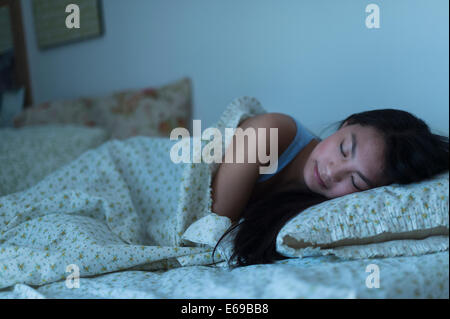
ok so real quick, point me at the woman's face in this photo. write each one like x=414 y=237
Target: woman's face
x=350 y=160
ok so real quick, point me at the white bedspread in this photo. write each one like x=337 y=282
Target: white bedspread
x=315 y=277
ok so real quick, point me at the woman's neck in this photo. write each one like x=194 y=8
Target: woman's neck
x=293 y=172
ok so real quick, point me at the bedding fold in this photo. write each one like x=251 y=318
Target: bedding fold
x=122 y=205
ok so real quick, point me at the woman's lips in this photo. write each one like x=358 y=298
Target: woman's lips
x=319 y=180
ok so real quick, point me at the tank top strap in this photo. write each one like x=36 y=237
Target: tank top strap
x=301 y=139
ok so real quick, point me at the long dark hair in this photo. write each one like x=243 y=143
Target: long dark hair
x=413 y=153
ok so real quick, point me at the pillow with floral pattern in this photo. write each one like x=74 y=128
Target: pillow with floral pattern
x=147 y=112
x=414 y=215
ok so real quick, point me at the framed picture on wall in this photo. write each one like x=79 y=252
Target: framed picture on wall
x=50 y=18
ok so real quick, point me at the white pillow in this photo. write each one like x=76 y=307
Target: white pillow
x=30 y=153
x=370 y=223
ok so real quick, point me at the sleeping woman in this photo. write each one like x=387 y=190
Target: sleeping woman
x=370 y=149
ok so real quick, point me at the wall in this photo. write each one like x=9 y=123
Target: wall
x=315 y=59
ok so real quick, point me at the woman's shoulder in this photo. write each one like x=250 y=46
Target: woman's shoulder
x=286 y=126
x=283 y=122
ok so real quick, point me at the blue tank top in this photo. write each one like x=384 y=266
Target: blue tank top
x=301 y=139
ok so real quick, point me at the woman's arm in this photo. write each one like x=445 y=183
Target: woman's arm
x=234 y=182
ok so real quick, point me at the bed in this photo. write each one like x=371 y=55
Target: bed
x=107 y=217
x=315 y=277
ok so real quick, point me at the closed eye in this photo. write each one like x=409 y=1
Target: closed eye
x=353 y=180
x=342 y=150
x=354 y=185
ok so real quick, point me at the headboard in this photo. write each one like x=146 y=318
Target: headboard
x=14 y=73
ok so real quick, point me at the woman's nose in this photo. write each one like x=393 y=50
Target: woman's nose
x=335 y=172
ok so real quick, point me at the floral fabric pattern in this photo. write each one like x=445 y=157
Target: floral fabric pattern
x=122 y=205
x=415 y=277
x=30 y=153
x=146 y=112
x=138 y=225
x=386 y=221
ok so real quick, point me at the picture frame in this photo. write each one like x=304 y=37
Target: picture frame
x=50 y=22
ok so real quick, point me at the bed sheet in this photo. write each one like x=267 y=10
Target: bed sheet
x=104 y=212
x=122 y=205
x=425 y=276
x=30 y=153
